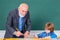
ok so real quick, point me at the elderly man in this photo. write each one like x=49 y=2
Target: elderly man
x=18 y=23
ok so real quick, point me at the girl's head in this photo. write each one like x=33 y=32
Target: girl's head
x=49 y=27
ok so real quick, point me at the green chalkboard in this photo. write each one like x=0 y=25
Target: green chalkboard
x=41 y=12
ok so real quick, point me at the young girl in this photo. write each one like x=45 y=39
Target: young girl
x=49 y=31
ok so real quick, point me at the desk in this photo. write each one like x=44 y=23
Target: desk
x=29 y=39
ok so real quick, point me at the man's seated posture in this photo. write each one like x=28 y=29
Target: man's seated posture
x=49 y=32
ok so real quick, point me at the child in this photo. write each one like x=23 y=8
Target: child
x=49 y=31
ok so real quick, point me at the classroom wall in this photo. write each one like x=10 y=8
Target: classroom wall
x=41 y=12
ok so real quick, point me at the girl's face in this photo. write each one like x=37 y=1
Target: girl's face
x=47 y=31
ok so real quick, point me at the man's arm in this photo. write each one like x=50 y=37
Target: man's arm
x=28 y=23
x=9 y=23
x=28 y=26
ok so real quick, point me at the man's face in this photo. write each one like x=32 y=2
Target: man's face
x=23 y=9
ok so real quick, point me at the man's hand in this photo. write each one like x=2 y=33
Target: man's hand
x=26 y=34
x=17 y=33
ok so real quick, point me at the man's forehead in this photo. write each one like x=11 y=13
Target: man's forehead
x=24 y=8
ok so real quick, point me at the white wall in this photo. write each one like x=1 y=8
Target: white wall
x=32 y=33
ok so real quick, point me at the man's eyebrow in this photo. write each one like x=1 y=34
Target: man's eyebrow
x=24 y=10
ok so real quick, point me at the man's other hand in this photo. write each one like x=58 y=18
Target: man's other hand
x=26 y=34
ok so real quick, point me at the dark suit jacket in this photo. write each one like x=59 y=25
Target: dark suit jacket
x=13 y=21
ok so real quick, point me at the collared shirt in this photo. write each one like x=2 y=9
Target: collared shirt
x=44 y=34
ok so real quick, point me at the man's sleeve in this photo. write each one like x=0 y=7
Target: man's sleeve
x=28 y=23
x=9 y=23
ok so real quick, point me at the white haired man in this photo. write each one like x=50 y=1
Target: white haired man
x=18 y=22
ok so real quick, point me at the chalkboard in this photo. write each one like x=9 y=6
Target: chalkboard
x=41 y=12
